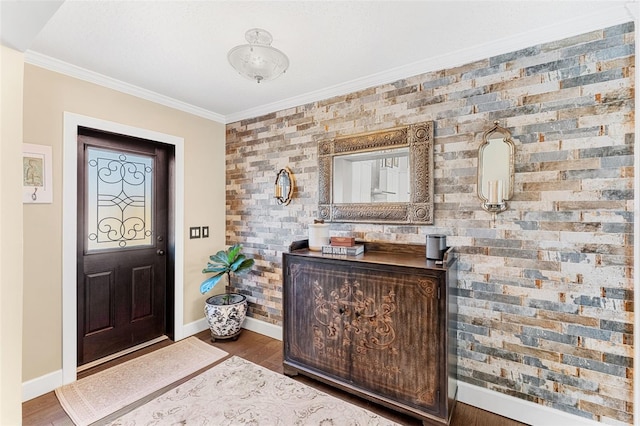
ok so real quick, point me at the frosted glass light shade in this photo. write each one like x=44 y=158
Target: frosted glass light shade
x=258 y=60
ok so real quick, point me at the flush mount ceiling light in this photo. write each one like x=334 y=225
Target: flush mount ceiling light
x=258 y=60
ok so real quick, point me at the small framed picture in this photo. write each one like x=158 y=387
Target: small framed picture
x=37 y=174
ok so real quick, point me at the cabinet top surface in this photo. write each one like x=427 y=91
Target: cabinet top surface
x=402 y=257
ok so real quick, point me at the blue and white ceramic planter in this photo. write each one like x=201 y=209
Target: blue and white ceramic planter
x=225 y=319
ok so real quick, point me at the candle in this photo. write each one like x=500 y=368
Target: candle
x=493 y=192
x=318 y=236
x=500 y=196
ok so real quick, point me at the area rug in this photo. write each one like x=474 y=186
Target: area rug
x=238 y=392
x=92 y=398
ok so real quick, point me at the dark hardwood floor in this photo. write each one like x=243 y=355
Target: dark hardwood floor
x=267 y=352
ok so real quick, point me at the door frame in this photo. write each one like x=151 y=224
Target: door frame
x=69 y=228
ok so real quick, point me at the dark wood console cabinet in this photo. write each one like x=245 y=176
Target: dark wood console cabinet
x=376 y=325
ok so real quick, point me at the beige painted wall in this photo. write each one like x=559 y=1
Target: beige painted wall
x=47 y=95
x=11 y=236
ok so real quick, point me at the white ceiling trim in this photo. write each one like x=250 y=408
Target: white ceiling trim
x=61 y=67
x=602 y=19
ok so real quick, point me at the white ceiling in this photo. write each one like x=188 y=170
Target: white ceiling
x=175 y=52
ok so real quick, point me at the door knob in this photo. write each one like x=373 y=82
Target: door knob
x=160 y=252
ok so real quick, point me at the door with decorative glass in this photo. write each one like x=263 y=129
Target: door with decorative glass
x=122 y=242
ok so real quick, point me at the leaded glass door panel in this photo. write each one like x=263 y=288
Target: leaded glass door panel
x=122 y=242
x=119 y=199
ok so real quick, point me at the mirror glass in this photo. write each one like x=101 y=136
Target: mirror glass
x=372 y=177
x=378 y=177
x=496 y=169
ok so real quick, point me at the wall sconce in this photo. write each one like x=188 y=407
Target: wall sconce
x=496 y=157
x=283 y=191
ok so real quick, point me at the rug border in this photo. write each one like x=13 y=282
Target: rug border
x=99 y=415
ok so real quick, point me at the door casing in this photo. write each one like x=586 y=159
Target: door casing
x=69 y=227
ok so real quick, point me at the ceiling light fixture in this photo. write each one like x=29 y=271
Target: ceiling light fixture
x=258 y=60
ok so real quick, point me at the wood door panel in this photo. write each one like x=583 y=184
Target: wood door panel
x=99 y=293
x=315 y=329
x=398 y=331
x=141 y=292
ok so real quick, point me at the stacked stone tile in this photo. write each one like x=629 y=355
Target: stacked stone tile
x=545 y=292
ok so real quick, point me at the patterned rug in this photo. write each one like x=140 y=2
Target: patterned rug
x=99 y=395
x=238 y=392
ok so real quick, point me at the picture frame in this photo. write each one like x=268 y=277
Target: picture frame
x=37 y=174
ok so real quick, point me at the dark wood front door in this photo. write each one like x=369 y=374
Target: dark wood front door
x=122 y=242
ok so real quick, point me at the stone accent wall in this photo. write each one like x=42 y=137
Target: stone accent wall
x=545 y=292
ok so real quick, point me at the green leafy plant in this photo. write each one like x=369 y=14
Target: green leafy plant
x=223 y=264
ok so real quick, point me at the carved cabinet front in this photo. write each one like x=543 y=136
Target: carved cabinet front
x=376 y=329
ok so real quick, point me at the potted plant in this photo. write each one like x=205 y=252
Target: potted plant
x=225 y=312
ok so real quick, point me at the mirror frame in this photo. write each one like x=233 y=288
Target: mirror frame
x=418 y=211
x=508 y=194
x=284 y=199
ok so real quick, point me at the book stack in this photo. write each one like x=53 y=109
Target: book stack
x=343 y=246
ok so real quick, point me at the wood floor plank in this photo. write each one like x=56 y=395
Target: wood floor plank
x=267 y=352
x=464 y=415
x=44 y=410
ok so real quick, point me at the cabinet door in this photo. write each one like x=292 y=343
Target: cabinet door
x=374 y=327
x=315 y=333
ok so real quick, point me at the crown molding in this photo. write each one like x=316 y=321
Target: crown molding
x=65 y=68
x=615 y=15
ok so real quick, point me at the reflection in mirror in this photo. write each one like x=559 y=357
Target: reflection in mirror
x=383 y=176
x=496 y=169
x=372 y=177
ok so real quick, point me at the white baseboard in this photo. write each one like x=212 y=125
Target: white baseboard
x=194 y=327
x=47 y=383
x=264 y=328
x=41 y=385
x=485 y=399
x=261 y=327
x=518 y=409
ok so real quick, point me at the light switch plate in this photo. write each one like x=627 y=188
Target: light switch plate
x=194 y=232
x=205 y=232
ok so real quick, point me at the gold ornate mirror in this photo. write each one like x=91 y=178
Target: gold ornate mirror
x=283 y=191
x=378 y=177
x=496 y=157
